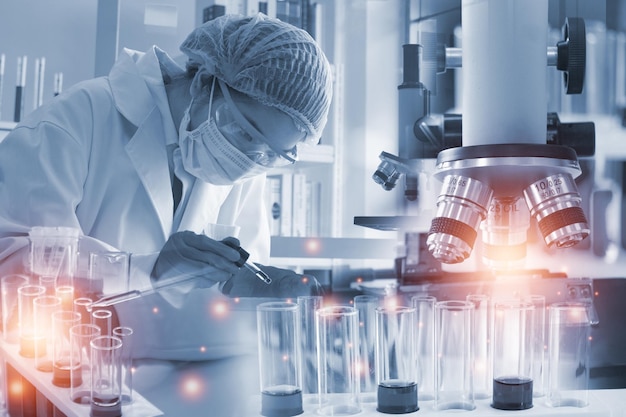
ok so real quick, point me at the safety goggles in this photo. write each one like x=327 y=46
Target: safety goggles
x=242 y=134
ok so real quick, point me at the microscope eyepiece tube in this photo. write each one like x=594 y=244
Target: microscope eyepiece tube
x=461 y=206
x=555 y=203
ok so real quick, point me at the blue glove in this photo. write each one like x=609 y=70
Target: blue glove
x=188 y=255
x=285 y=284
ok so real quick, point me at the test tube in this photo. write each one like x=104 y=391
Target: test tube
x=396 y=370
x=513 y=355
x=454 y=353
x=126 y=336
x=308 y=305
x=102 y=319
x=568 y=357
x=66 y=294
x=44 y=307
x=81 y=306
x=106 y=377
x=366 y=306
x=279 y=359
x=26 y=313
x=481 y=343
x=539 y=343
x=62 y=322
x=81 y=336
x=425 y=345
x=337 y=358
x=49 y=282
x=10 y=316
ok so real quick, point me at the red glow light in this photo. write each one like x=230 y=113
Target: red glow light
x=312 y=246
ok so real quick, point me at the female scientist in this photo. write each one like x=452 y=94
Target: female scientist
x=143 y=160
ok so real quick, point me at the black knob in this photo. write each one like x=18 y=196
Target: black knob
x=572 y=51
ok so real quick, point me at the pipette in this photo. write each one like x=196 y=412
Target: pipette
x=110 y=300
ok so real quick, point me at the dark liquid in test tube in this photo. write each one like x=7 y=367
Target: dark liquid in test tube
x=396 y=397
x=281 y=402
x=512 y=393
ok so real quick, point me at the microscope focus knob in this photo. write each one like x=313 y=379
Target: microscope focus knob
x=572 y=55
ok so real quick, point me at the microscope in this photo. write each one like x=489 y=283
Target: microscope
x=510 y=172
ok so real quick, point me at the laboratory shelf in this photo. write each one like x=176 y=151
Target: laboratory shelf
x=602 y=403
x=18 y=366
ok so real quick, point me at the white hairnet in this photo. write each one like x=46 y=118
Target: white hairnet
x=271 y=61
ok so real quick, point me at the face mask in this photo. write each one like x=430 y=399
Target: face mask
x=209 y=156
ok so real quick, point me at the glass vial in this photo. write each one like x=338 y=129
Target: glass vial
x=338 y=360
x=539 y=344
x=366 y=306
x=453 y=346
x=396 y=370
x=106 y=377
x=26 y=314
x=10 y=316
x=481 y=343
x=308 y=305
x=62 y=367
x=425 y=345
x=126 y=336
x=80 y=361
x=279 y=359
x=513 y=355
x=568 y=355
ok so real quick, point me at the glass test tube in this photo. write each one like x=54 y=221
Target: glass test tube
x=279 y=359
x=80 y=361
x=81 y=306
x=425 y=345
x=539 y=343
x=102 y=319
x=106 y=377
x=366 y=306
x=26 y=314
x=396 y=370
x=568 y=355
x=126 y=336
x=66 y=294
x=481 y=343
x=62 y=322
x=453 y=346
x=49 y=282
x=44 y=307
x=10 y=315
x=338 y=335
x=513 y=355
x=308 y=305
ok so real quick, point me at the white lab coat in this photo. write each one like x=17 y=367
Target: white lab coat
x=95 y=158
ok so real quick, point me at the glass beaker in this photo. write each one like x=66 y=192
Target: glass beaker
x=106 y=377
x=568 y=355
x=454 y=388
x=513 y=355
x=366 y=306
x=396 y=366
x=109 y=272
x=279 y=359
x=338 y=360
x=53 y=252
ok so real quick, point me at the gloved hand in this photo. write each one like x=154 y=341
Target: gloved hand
x=285 y=284
x=187 y=254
